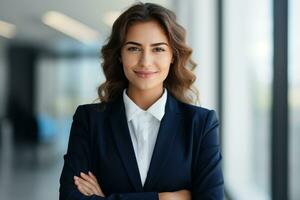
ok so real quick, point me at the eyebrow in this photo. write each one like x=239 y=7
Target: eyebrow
x=154 y=44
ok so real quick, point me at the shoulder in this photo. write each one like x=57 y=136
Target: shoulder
x=92 y=110
x=93 y=107
x=196 y=111
x=201 y=118
x=191 y=113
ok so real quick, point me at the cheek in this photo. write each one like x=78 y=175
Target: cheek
x=127 y=71
x=127 y=65
x=165 y=65
x=164 y=61
x=129 y=60
x=165 y=72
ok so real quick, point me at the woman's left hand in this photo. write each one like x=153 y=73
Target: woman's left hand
x=88 y=185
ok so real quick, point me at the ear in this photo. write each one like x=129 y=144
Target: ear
x=172 y=61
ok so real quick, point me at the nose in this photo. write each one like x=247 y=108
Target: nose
x=146 y=59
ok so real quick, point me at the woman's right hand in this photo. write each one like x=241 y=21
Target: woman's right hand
x=88 y=185
x=178 y=195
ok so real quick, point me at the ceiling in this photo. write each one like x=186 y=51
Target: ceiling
x=27 y=15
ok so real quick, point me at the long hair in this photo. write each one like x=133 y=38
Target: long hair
x=180 y=79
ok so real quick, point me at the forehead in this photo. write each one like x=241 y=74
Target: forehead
x=148 y=32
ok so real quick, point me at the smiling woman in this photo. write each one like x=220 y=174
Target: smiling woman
x=139 y=28
x=145 y=139
x=146 y=60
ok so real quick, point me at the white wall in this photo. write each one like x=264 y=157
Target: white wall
x=199 y=19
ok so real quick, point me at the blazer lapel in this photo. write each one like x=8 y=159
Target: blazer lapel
x=123 y=142
x=165 y=138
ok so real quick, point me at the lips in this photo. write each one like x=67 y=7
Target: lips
x=145 y=74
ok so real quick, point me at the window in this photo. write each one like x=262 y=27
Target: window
x=62 y=85
x=294 y=99
x=247 y=98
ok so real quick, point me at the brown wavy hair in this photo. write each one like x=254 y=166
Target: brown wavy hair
x=180 y=79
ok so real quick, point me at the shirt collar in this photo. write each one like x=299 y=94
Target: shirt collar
x=157 y=109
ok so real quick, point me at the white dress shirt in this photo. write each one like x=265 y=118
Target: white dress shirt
x=143 y=127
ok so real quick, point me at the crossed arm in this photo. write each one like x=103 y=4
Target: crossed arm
x=207 y=182
x=88 y=185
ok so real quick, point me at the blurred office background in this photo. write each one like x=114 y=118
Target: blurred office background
x=248 y=70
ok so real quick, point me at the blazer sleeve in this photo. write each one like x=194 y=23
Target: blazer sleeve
x=207 y=177
x=78 y=159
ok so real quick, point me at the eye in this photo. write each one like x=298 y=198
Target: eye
x=133 y=49
x=158 y=49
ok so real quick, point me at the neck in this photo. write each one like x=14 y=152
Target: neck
x=144 y=98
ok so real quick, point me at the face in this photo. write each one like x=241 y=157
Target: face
x=146 y=56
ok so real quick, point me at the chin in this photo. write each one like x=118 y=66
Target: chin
x=144 y=87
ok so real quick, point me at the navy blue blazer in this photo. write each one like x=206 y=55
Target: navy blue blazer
x=186 y=154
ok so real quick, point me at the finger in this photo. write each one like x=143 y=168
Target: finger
x=89 y=179
x=90 y=187
x=82 y=189
x=96 y=188
x=93 y=177
x=80 y=181
x=85 y=189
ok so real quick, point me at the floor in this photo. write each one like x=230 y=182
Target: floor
x=27 y=171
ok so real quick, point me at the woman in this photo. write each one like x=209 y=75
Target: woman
x=144 y=140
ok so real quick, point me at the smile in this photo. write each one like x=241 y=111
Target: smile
x=145 y=74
